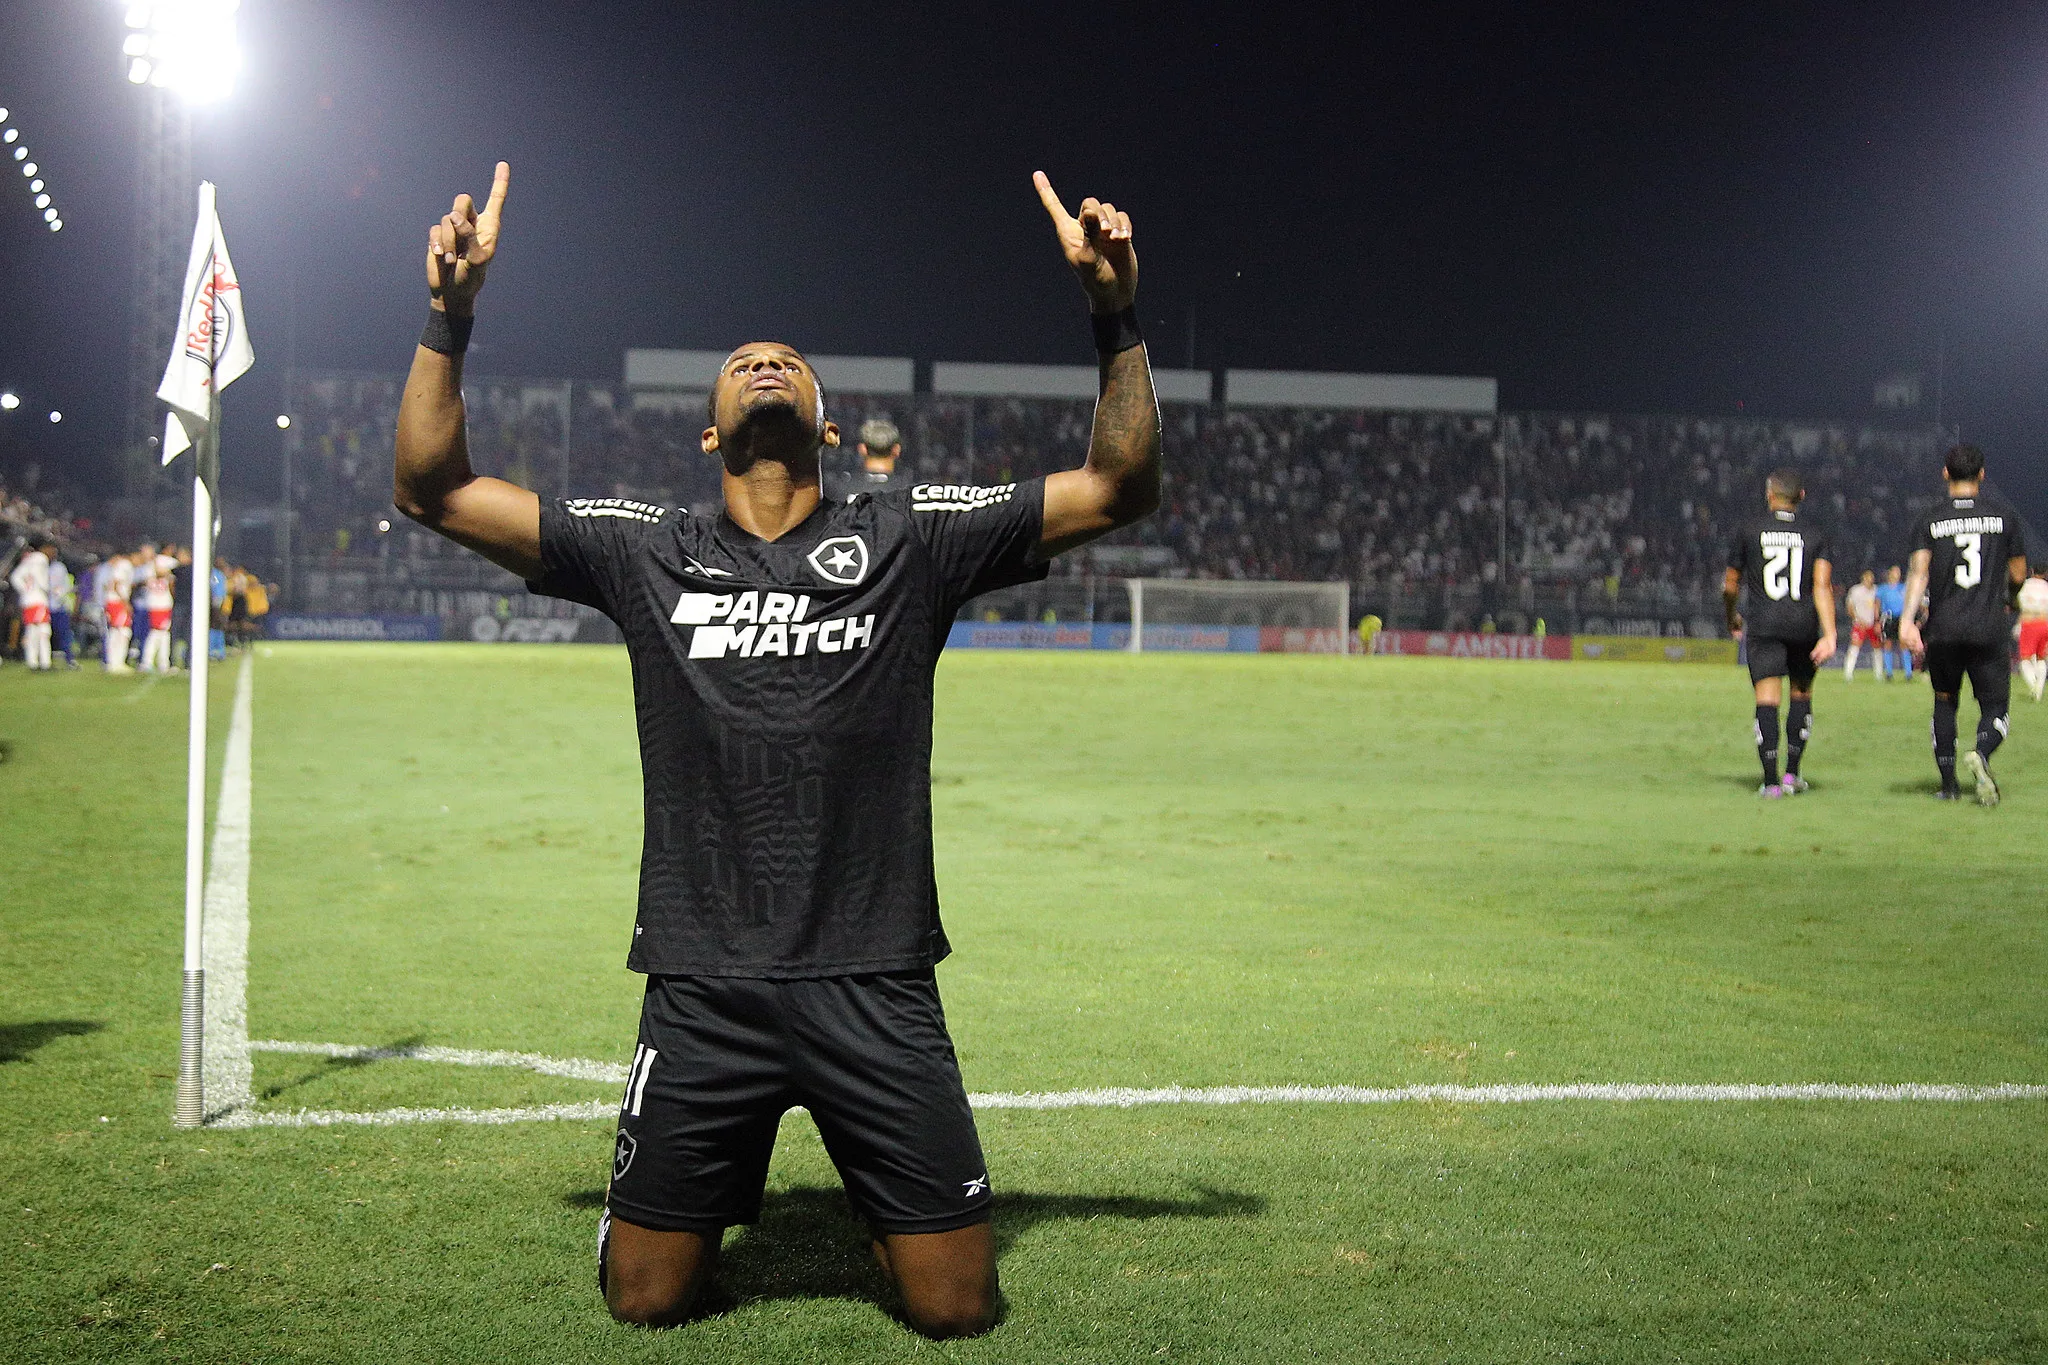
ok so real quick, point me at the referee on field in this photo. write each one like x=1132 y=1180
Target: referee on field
x=783 y=648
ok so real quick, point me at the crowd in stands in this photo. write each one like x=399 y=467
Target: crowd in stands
x=1617 y=506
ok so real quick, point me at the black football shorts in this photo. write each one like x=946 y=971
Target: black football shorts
x=1776 y=658
x=722 y=1058
x=1988 y=667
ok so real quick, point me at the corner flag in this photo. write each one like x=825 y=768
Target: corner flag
x=210 y=351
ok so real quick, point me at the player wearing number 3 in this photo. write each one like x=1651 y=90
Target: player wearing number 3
x=1781 y=563
x=1970 y=558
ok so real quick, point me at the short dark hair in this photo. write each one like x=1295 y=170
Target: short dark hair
x=1963 y=462
x=1786 y=483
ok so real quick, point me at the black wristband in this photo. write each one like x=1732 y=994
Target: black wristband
x=446 y=332
x=1115 y=333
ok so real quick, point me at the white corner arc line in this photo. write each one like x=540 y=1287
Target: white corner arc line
x=224 y=944
x=575 y=1068
x=578 y=1068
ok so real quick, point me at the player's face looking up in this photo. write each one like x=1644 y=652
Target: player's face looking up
x=766 y=404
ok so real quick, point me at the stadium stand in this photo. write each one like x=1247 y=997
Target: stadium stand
x=1611 y=524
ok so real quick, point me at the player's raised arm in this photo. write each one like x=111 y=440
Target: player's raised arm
x=1120 y=482
x=432 y=482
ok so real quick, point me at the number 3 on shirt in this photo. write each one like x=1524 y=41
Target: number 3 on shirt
x=1782 y=568
x=1970 y=572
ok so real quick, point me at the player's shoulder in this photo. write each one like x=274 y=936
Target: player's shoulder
x=630 y=511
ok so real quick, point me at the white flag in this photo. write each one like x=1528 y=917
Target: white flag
x=211 y=349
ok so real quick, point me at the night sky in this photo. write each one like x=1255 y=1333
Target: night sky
x=1703 y=208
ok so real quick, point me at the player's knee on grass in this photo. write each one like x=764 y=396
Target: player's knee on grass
x=652 y=1278
x=946 y=1280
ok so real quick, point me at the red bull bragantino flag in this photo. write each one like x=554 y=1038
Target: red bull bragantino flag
x=211 y=349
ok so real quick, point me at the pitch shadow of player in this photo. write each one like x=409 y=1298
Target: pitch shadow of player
x=17 y=1041
x=808 y=1244
x=335 y=1066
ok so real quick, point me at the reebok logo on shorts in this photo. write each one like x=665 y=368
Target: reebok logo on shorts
x=978 y=1185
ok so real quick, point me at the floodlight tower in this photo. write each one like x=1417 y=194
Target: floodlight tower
x=178 y=53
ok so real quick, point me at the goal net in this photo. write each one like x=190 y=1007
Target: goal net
x=1228 y=614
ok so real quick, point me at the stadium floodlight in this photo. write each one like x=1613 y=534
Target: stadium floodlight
x=186 y=46
x=21 y=153
x=35 y=187
x=56 y=225
x=8 y=402
x=56 y=416
x=3 y=116
x=42 y=201
x=284 y=422
x=30 y=169
x=49 y=215
x=11 y=135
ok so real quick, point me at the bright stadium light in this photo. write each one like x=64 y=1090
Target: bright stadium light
x=21 y=153
x=284 y=422
x=56 y=416
x=8 y=402
x=49 y=215
x=11 y=135
x=42 y=201
x=56 y=225
x=187 y=46
x=35 y=187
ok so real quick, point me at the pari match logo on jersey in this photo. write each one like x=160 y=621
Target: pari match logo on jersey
x=756 y=624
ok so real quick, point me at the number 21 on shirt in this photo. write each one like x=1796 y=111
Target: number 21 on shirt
x=1783 y=565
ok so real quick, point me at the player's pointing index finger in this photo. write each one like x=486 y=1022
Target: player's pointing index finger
x=1052 y=203
x=501 y=180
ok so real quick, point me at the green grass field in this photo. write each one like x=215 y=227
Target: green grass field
x=1157 y=871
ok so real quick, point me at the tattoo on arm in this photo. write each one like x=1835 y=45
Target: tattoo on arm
x=1123 y=448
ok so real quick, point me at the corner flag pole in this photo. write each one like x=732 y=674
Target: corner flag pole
x=209 y=352
x=192 y=1009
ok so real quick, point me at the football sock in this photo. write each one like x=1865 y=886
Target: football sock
x=1945 y=741
x=1767 y=742
x=1991 y=728
x=1849 y=667
x=1798 y=725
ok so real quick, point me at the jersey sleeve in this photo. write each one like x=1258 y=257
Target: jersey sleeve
x=980 y=538
x=587 y=545
x=1738 y=553
x=1923 y=536
x=2015 y=537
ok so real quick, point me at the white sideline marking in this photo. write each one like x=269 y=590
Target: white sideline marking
x=224 y=1075
x=1112 y=1098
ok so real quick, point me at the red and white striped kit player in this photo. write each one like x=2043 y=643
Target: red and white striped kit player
x=117 y=581
x=31 y=582
x=2034 y=633
x=156 y=600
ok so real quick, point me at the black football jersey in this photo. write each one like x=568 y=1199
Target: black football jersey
x=783 y=692
x=1775 y=554
x=1968 y=588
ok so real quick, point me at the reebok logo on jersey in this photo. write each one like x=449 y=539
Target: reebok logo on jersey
x=614 y=507
x=753 y=625
x=958 y=497
x=842 y=560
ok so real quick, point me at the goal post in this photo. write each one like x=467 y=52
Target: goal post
x=1171 y=613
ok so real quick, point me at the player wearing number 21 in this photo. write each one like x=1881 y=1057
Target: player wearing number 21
x=1780 y=563
x=1970 y=558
